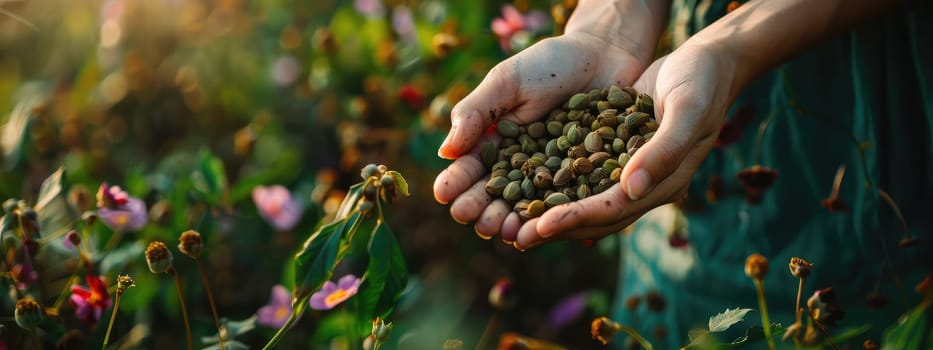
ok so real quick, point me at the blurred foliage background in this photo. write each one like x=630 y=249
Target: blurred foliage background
x=191 y=104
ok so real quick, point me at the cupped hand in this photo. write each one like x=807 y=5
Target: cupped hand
x=692 y=89
x=523 y=89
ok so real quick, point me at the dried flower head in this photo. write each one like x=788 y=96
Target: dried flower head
x=28 y=313
x=158 y=257
x=124 y=282
x=381 y=330
x=603 y=329
x=756 y=180
x=189 y=243
x=823 y=307
x=799 y=268
x=756 y=266
x=502 y=294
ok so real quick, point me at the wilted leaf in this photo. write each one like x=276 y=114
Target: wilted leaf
x=400 y=182
x=51 y=187
x=726 y=319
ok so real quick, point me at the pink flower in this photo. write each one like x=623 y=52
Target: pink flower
x=24 y=275
x=90 y=303
x=277 y=311
x=119 y=211
x=332 y=294
x=513 y=22
x=277 y=206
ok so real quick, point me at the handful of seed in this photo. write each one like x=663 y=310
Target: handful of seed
x=579 y=150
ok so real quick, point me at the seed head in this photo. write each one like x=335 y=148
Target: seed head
x=756 y=266
x=799 y=268
x=28 y=313
x=190 y=243
x=158 y=257
x=603 y=329
x=124 y=282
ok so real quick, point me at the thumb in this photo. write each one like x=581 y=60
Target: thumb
x=660 y=157
x=495 y=96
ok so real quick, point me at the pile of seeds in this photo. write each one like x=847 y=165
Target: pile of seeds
x=578 y=151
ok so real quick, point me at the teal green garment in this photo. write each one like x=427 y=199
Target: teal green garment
x=871 y=86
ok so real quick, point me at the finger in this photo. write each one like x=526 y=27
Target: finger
x=496 y=95
x=663 y=155
x=469 y=205
x=530 y=240
x=510 y=227
x=490 y=221
x=460 y=175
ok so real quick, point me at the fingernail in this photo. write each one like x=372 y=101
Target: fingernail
x=517 y=247
x=638 y=184
x=444 y=151
x=480 y=234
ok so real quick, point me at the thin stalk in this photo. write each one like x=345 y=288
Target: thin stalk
x=113 y=316
x=823 y=332
x=763 y=305
x=837 y=181
x=281 y=332
x=36 y=342
x=184 y=310
x=635 y=335
x=487 y=333
x=897 y=211
x=798 y=311
x=210 y=300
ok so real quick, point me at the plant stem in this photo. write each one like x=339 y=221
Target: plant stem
x=36 y=342
x=210 y=300
x=798 y=311
x=184 y=310
x=490 y=328
x=113 y=316
x=763 y=305
x=823 y=332
x=635 y=335
x=281 y=332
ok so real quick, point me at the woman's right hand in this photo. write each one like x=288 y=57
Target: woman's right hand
x=605 y=43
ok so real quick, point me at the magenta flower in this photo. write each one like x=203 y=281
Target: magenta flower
x=90 y=303
x=369 y=8
x=277 y=206
x=332 y=294
x=514 y=23
x=568 y=310
x=72 y=239
x=276 y=312
x=404 y=23
x=120 y=211
x=24 y=275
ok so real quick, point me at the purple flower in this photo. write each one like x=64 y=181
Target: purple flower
x=369 y=8
x=332 y=294
x=277 y=206
x=277 y=311
x=567 y=310
x=24 y=275
x=131 y=216
x=513 y=22
x=404 y=23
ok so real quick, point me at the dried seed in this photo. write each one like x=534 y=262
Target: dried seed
x=634 y=142
x=652 y=125
x=537 y=129
x=521 y=205
x=599 y=158
x=518 y=159
x=583 y=191
x=574 y=135
x=515 y=175
x=528 y=188
x=608 y=118
x=623 y=159
x=555 y=199
x=606 y=132
x=619 y=98
x=551 y=148
x=623 y=132
x=512 y=191
x=574 y=115
x=495 y=185
x=504 y=165
x=543 y=180
x=610 y=164
x=577 y=152
x=582 y=166
x=555 y=128
x=552 y=163
x=529 y=146
x=615 y=175
x=489 y=153
x=618 y=146
x=536 y=208
x=602 y=106
x=563 y=143
x=637 y=119
x=507 y=141
x=562 y=177
x=593 y=142
x=645 y=103
x=579 y=101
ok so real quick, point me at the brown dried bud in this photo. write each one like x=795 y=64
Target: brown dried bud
x=756 y=266
x=603 y=329
x=158 y=257
x=190 y=244
x=28 y=313
x=799 y=268
x=124 y=282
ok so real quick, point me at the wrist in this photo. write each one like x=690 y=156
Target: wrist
x=630 y=25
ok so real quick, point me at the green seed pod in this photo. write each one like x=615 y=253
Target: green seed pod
x=535 y=162
x=496 y=185
x=583 y=191
x=652 y=125
x=602 y=106
x=552 y=163
x=610 y=164
x=567 y=126
x=521 y=205
x=583 y=179
x=508 y=152
x=505 y=165
x=574 y=135
x=499 y=172
x=595 y=125
x=579 y=101
x=631 y=92
x=637 y=119
x=618 y=146
x=512 y=191
x=574 y=115
x=615 y=174
x=608 y=118
x=543 y=180
x=582 y=166
x=555 y=128
x=515 y=175
x=624 y=132
x=597 y=175
x=555 y=199
x=507 y=141
x=593 y=143
x=507 y=128
x=618 y=98
x=570 y=192
x=623 y=159
x=566 y=162
x=563 y=144
x=537 y=129
x=577 y=152
x=536 y=208
x=551 y=149
x=560 y=116
x=528 y=188
x=488 y=153
x=587 y=119
x=634 y=142
x=606 y=132
x=645 y=104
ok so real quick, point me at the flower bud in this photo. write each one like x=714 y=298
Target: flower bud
x=799 y=268
x=381 y=330
x=756 y=266
x=89 y=217
x=502 y=294
x=72 y=239
x=124 y=282
x=603 y=329
x=158 y=257
x=190 y=243
x=28 y=313
x=368 y=171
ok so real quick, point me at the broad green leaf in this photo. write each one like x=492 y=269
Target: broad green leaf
x=400 y=182
x=726 y=319
x=397 y=277
x=377 y=270
x=315 y=262
x=349 y=202
x=51 y=188
x=210 y=179
x=908 y=333
x=135 y=182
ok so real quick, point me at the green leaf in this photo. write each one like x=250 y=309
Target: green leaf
x=908 y=333
x=726 y=319
x=14 y=134
x=315 y=262
x=51 y=188
x=349 y=202
x=374 y=280
x=396 y=279
x=210 y=179
x=400 y=182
